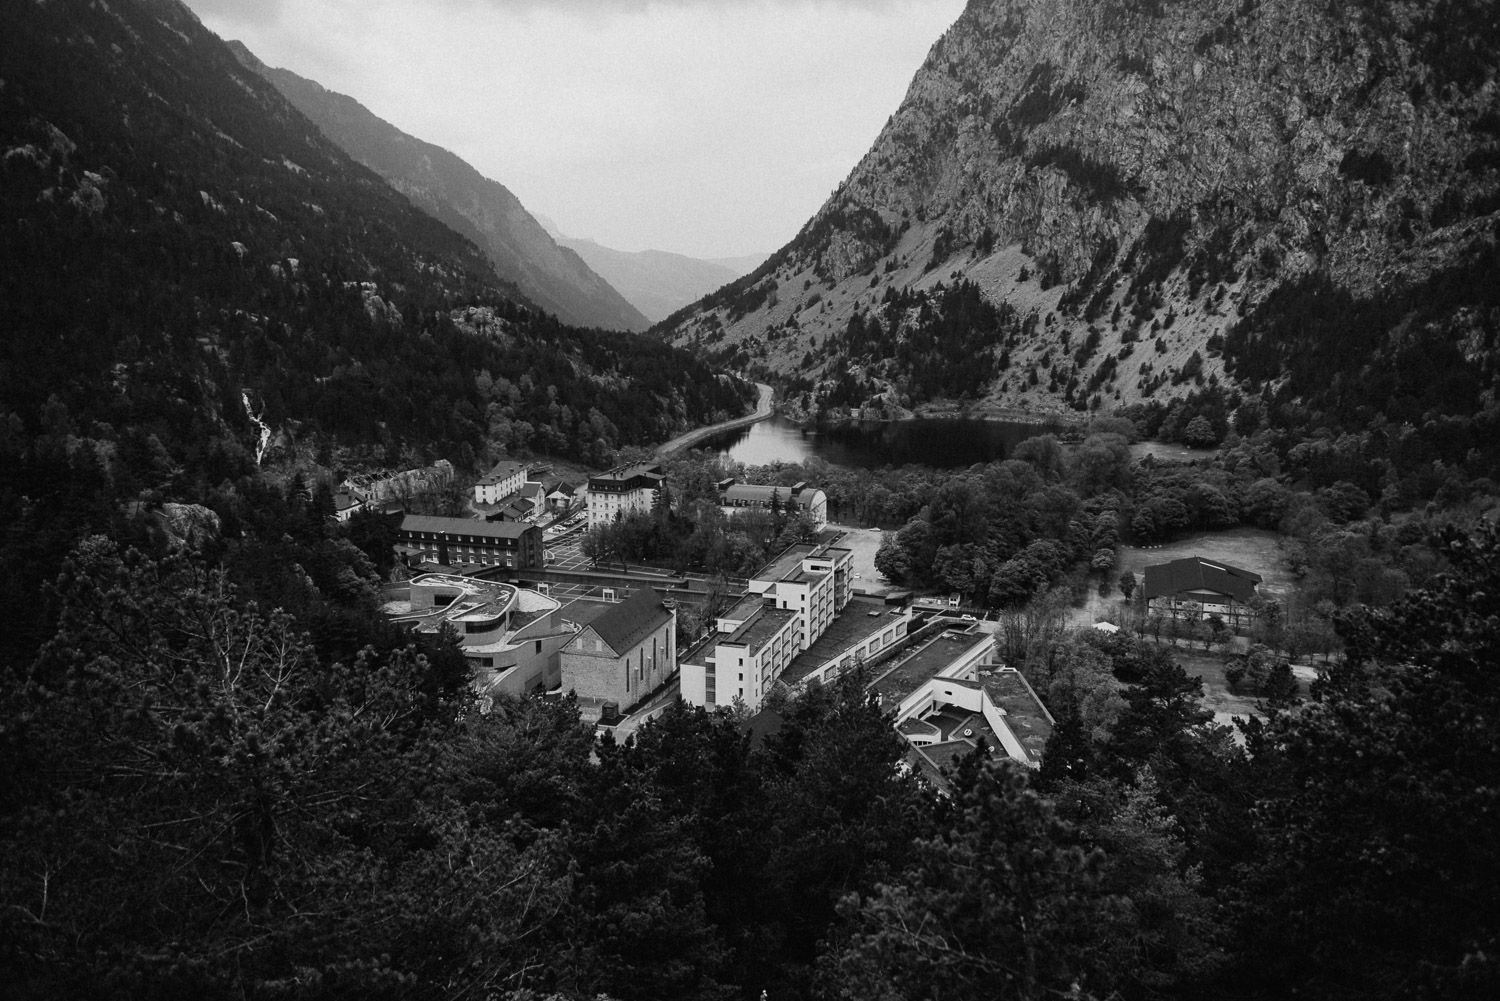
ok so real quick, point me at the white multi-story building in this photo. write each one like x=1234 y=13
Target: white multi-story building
x=621 y=491
x=789 y=605
x=816 y=582
x=755 y=644
x=499 y=483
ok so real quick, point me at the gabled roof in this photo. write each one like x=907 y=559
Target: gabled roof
x=1194 y=573
x=583 y=611
x=465 y=526
x=640 y=474
x=752 y=493
x=503 y=471
x=630 y=621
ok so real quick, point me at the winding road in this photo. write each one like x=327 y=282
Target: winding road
x=682 y=441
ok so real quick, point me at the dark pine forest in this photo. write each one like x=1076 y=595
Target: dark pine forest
x=225 y=775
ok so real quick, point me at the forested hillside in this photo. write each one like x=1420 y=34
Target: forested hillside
x=227 y=775
x=449 y=189
x=182 y=248
x=202 y=804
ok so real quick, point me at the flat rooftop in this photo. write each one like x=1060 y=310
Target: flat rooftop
x=762 y=628
x=745 y=608
x=787 y=564
x=925 y=664
x=1027 y=718
x=853 y=626
x=933 y=758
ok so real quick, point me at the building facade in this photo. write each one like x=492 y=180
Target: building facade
x=799 y=498
x=816 y=582
x=467 y=542
x=755 y=644
x=484 y=614
x=788 y=606
x=1196 y=588
x=621 y=655
x=622 y=491
x=347 y=503
x=500 y=482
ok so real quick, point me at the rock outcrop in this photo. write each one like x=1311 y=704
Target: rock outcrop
x=1177 y=180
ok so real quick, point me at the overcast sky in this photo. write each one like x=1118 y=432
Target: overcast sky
x=707 y=127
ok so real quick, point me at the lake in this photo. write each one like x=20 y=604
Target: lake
x=941 y=442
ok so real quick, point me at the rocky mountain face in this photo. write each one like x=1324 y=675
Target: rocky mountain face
x=446 y=187
x=1127 y=200
x=656 y=282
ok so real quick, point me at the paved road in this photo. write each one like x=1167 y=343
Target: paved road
x=649 y=710
x=682 y=441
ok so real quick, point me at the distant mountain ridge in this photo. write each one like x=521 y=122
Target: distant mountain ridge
x=1150 y=199
x=657 y=282
x=184 y=246
x=444 y=185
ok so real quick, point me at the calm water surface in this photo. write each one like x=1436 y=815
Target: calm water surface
x=941 y=442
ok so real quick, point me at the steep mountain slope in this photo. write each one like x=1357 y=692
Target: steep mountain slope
x=179 y=238
x=1094 y=202
x=655 y=282
x=443 y=185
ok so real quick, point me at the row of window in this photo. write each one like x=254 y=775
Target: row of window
x=460 y=540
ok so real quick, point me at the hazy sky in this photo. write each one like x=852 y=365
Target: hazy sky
x=706 y=127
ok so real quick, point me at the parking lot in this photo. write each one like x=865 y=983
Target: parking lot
x=563 y=552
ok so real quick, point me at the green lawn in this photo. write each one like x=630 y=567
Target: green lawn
x=1253 y=549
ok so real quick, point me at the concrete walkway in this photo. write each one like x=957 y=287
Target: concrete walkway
x=682 y=441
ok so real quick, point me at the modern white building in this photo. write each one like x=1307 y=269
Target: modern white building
x=950 y=697
x=621 y=491
x=816 y=582
x=864 y=631
x=755 y=644
x=789 y=606
x=486 y=615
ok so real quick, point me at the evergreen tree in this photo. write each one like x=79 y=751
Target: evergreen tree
x=1378 y=865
